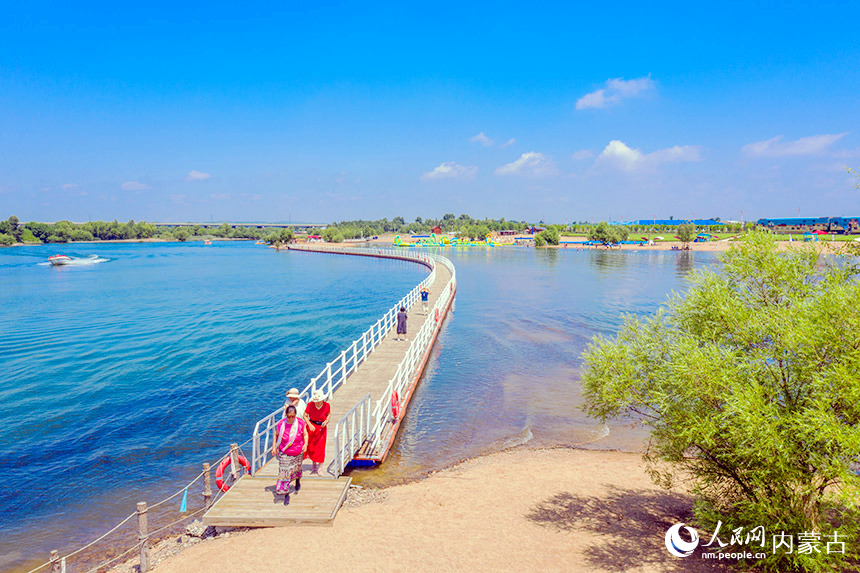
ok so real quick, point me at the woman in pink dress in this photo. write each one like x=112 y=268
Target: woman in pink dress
x=290 y=444
x=317 y=413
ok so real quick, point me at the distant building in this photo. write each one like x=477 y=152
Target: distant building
x=800 y=225
x=437 y=229
x=508 y=233
x=675 y=222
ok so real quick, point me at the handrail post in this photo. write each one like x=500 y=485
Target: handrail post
x=142 y=536
x=342 y=367
x=234 y=461
x=55 y=561
x=255 y=448
x=207 y=486
x=337 y=449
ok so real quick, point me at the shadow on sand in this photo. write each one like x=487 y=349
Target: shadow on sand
x=633 y=524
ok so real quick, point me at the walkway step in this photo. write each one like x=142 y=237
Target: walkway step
x=252 y=503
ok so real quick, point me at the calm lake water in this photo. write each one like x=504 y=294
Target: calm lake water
x=119 y=377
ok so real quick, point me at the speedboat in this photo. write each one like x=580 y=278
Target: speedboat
x=58 y=260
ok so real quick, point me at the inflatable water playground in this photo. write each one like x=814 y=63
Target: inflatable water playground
x=433 y=240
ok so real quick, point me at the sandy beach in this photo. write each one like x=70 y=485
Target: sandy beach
x=521 y=509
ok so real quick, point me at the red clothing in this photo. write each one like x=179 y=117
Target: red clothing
x=316 y=433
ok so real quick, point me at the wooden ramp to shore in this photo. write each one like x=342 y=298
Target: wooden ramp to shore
x=251 y=501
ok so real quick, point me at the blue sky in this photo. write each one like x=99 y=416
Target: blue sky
x=330 y=111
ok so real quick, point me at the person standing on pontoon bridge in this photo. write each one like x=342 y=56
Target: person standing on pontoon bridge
x=425 y=299
x=294 y=400
x=289 y=446
x=317 y=414
x=401 y=324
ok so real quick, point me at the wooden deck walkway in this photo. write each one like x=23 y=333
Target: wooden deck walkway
x=251 y=501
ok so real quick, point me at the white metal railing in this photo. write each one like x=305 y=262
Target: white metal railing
x=336 y=372
x=350 y=433
x=408 y=369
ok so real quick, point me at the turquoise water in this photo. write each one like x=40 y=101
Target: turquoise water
x=119 y=378
x=507 y=367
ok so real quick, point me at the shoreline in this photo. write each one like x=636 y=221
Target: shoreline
x=551 y=508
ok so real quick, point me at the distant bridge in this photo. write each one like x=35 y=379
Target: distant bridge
x=248 y=225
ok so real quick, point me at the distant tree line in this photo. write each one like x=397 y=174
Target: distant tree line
x=12 y=231
x=464 y=226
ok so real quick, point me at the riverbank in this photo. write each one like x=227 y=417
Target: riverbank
x=546 y=510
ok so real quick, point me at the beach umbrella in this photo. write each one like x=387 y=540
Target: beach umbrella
x=660 y=238
x=819 y=232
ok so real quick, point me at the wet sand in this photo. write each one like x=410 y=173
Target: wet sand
x=533 y=510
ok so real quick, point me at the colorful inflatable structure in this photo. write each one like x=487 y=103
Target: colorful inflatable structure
x=444 y=241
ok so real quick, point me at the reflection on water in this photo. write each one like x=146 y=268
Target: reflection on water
x=506 y=368
x=686 y=262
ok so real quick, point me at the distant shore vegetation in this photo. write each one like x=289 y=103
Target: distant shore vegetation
x=12 y=231
x=472 y=228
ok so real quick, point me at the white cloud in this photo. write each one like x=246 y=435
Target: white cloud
x=482 y=139
x=451 y=170
x=583 y=154
x=776 y=147
x=197 y=176
x=530 y=164
x=618 y=154
x=70 y=186
x=509 y=142
x=616 y=90
x=219 y=196
x=134 y=186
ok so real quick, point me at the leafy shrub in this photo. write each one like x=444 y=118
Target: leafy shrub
x=749 y=384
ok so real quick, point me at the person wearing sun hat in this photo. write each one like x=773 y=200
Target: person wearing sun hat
x=317 y=414
x=294 y=399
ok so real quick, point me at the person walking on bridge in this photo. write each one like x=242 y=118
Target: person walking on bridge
x=294 y=399
x=289 y=446
x=317 y=414
x=425 y=299
x=401 y=324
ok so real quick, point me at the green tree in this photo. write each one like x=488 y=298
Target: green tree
x=181 y=234
x=686 y=232
x=284 y=236
x=332 y=235
x=601 y=232
x=549 y=236
x=15 y=228
x=80 y=235
x=6 y=239
x=750 y=384
x=27 y=236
